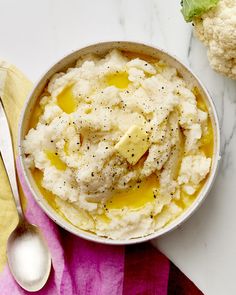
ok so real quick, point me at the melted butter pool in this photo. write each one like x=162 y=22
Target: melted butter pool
x=66 y=100
x=55 y=160
x=207 y=140
x=136 y=197
x=49 y=197
x=37 y=112
x=119 y=80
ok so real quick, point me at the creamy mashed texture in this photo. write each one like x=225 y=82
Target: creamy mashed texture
x=119 y=145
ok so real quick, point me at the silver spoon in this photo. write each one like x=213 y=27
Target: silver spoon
x=28 y=256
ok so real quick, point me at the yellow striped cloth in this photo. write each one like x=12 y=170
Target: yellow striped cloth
x=14 y=88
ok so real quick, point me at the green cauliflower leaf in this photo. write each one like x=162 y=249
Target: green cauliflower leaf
x=192 y=8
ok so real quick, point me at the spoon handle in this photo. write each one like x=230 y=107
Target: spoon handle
x=7 y=153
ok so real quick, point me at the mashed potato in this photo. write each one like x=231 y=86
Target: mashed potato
x=120 y=143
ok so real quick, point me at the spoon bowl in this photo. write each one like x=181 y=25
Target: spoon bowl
x=28 y=256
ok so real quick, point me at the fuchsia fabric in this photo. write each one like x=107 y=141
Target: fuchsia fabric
x=86 y=268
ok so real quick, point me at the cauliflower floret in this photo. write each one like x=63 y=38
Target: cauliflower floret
x=217 y=30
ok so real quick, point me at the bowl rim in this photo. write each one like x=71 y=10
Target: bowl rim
x=173 y=224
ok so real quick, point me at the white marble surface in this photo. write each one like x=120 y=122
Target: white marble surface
x=34 y=34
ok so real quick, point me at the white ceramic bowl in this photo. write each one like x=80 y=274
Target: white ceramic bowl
x=101 y=49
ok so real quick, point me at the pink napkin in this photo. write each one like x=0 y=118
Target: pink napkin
x=83 y=267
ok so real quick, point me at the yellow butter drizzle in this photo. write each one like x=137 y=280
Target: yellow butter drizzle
x=66 y=148
x=136 y=197
x=119 y=80
x=37 y=112
x=55 y=160
x=207 y=140
x=49 y=197
x=66 y=100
